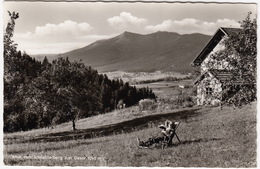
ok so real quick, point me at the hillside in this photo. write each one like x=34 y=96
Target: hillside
x=136 y=52
x=209 y=138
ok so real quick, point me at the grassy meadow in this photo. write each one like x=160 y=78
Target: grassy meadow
x=209 y=138
x=171 y=88
x=142 y=76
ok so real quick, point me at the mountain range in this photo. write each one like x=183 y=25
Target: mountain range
x=135 y=52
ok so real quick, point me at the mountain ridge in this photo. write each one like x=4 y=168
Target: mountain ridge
x=136 y=52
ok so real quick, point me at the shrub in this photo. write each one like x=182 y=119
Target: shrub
x=188 y=104
x=146 y=104
x=216 y=102
x=173 y=102
x=185 y=101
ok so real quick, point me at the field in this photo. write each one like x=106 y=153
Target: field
x=160 y=87
x=168 y=88
x=209 y=138
x=135 y=77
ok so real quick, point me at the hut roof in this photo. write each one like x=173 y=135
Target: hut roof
x=216 y=38
x=224 y=76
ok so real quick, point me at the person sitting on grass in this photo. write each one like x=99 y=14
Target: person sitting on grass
x=164 y=136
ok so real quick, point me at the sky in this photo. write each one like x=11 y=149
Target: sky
x=58 y=27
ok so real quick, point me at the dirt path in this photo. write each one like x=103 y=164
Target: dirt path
x=117 y=128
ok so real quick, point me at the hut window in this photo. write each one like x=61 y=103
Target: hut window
x=208 y=91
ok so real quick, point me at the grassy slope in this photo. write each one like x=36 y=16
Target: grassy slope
x=213 y=138
x=115 y=116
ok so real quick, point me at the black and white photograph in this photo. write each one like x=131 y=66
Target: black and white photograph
x=129 y=83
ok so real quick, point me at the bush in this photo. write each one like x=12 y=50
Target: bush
x=146 y=104
x=185 y=101
x=188 y=104
x=215 y=102
x=175 y=102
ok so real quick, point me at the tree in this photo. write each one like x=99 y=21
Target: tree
x=9 y=45
x=240 y=53
x=40 y=94
x=45 y=63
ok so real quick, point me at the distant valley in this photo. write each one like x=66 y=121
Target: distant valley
x=133 y=52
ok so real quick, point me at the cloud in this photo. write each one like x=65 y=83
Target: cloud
x=164 y=26
x=124 y=20
x=191 y=25
x=55 y=38
x=60 y=32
